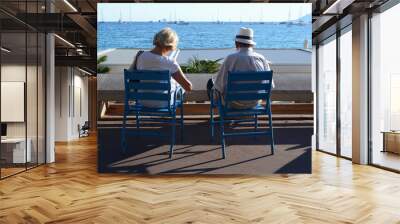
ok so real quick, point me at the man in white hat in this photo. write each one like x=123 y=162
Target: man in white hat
x=245 y=59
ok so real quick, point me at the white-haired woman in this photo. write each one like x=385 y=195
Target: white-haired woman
x=165 y=41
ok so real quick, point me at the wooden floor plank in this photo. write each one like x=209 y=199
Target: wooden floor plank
x=71 y=191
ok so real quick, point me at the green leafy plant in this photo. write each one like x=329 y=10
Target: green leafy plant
x=196 y=65
x=102 y=68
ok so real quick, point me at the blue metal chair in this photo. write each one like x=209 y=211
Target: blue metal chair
x=243 y=86
x=145 y=85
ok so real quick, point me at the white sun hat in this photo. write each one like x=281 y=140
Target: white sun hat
x=245 y=36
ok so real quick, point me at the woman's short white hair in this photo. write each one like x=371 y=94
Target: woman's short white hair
x=166 y=37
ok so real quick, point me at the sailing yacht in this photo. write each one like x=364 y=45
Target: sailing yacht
x=177 y=22
x=120 y=17
x=262 y=17
x=180 y=22
x=299 y=21
x=290 y=22
x=218 y=21
x=170 y=19
x=101 y=17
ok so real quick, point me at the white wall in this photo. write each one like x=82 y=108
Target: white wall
x=71 y=102
x=80 y=109
x=61 y=103
x=16 y=73
x=33 y=126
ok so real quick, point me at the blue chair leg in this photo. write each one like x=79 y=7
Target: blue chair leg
x=137 y=125
x=182 y=122
x=212 y=121
x=221 y=122
x=171 y=148
x=123 y=133
x=255 y=122
x=271 y=129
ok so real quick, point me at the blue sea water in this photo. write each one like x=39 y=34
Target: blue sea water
x=201 y=35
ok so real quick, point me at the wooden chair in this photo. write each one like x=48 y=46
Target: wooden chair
x=84 y=129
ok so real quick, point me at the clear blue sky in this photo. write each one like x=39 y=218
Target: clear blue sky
x=266 y=12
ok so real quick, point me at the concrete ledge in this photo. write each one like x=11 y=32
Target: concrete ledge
x=299 y=109
x=289 y=87
x=297 y=96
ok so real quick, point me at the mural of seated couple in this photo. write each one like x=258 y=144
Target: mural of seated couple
x=158 y=136
x=156 y=84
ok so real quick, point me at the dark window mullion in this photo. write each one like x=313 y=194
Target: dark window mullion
x=26 y=87
x=37 y=91
x=316 y=97
x=338 y=94
x=369 y=89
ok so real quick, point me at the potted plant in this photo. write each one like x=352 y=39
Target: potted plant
x=196 y=65
x=199 y=71
x=101 y=68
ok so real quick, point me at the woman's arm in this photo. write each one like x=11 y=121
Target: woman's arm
x=182 y=80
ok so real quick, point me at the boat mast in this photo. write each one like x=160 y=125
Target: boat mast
x=175 y=17
x=130 y=12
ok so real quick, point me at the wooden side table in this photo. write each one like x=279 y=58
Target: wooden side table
x=391 y=141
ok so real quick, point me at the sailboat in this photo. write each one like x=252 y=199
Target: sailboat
x=290 y=22
x=177 y=22
x=262 y=17
x=101 y=17
x=120 y=17
x=218 y=21
x=300 y=21
x=130 y=13
x=180 y=22
x=170 y=19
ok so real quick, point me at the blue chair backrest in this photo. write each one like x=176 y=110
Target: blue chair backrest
x=244 y=86
x=147 y=85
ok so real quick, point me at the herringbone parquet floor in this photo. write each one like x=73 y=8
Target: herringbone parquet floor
x=71 y=191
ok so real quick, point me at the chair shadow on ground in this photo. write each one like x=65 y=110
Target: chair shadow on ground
x=197 y=151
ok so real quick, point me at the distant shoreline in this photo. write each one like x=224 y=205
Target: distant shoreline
x=223 y=22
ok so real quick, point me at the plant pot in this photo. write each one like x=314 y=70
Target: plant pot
x=199 y=82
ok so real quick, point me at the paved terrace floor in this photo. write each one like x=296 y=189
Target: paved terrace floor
x=198 y=154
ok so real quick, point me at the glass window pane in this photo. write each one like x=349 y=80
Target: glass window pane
x=23 y=89
x=32 y=87
x=31 y=97
x=13 y=86
x=346 y=94
x=385 y=87
x=41 y=98
x=327 y=96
